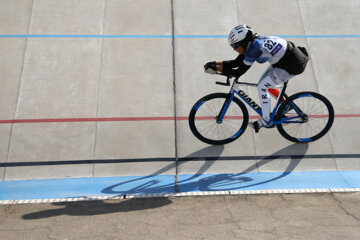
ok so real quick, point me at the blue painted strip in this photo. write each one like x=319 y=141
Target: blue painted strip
x=351 y=177
x=269 y=181
x=158 y=36
x=82 y=187
x=42 y=189
x=110 y=186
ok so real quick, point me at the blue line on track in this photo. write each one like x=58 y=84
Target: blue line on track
x=119 y=186
x=160 y=36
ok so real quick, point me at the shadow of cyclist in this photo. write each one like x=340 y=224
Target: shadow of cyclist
x=88 y=208
x=152 y=186
x=216 y=182
x=238 y=181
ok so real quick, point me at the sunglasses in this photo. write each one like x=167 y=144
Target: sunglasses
x=235 y=45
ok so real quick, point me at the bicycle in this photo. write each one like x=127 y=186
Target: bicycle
x=221 y=118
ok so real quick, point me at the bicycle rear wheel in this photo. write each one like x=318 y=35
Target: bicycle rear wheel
x=306 y=116
x=203 y=119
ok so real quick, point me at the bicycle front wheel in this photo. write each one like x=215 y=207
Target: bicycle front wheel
x=305 y=116
x=203 y=119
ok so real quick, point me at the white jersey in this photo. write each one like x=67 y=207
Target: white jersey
x=265 y=49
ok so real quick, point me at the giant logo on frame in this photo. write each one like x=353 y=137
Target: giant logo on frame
x=249 y=100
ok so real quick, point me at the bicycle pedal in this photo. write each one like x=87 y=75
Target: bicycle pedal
x=256 y=127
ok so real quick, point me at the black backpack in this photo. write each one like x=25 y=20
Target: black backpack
x=295 y=59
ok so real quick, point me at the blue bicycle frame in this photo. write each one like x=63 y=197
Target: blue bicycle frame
x=235 y=89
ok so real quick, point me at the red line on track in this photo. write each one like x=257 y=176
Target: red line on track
x=129 y=119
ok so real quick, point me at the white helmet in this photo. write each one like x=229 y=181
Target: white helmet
x=240 y=36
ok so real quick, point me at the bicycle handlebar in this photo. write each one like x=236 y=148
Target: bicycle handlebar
x=227 y=83
x=228 y=77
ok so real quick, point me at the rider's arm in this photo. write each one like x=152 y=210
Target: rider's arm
x=238 y=63
x=233 y=63
x=226 y=64
x=243 y=62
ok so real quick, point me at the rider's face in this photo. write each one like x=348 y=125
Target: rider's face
x=240 y=50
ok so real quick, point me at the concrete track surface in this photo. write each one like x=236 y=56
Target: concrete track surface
x=290 y=216
x=94 y=101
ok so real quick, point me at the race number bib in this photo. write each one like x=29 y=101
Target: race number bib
x=272 y=46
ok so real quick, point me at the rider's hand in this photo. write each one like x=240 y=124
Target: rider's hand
x=210 y=67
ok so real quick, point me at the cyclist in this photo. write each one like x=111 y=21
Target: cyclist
x=286 y=60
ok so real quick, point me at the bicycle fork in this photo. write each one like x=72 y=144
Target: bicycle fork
x=220 y=117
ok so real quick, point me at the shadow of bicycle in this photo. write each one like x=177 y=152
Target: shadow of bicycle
x=214 y=182
x=245 y=179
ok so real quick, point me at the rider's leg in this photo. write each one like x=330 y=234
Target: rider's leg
x=271 y=78
x=266 y=82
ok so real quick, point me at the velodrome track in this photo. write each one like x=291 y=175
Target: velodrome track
x=95 y=98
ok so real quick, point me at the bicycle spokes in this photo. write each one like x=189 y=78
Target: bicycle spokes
x=215 y=121
x=306 y=117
